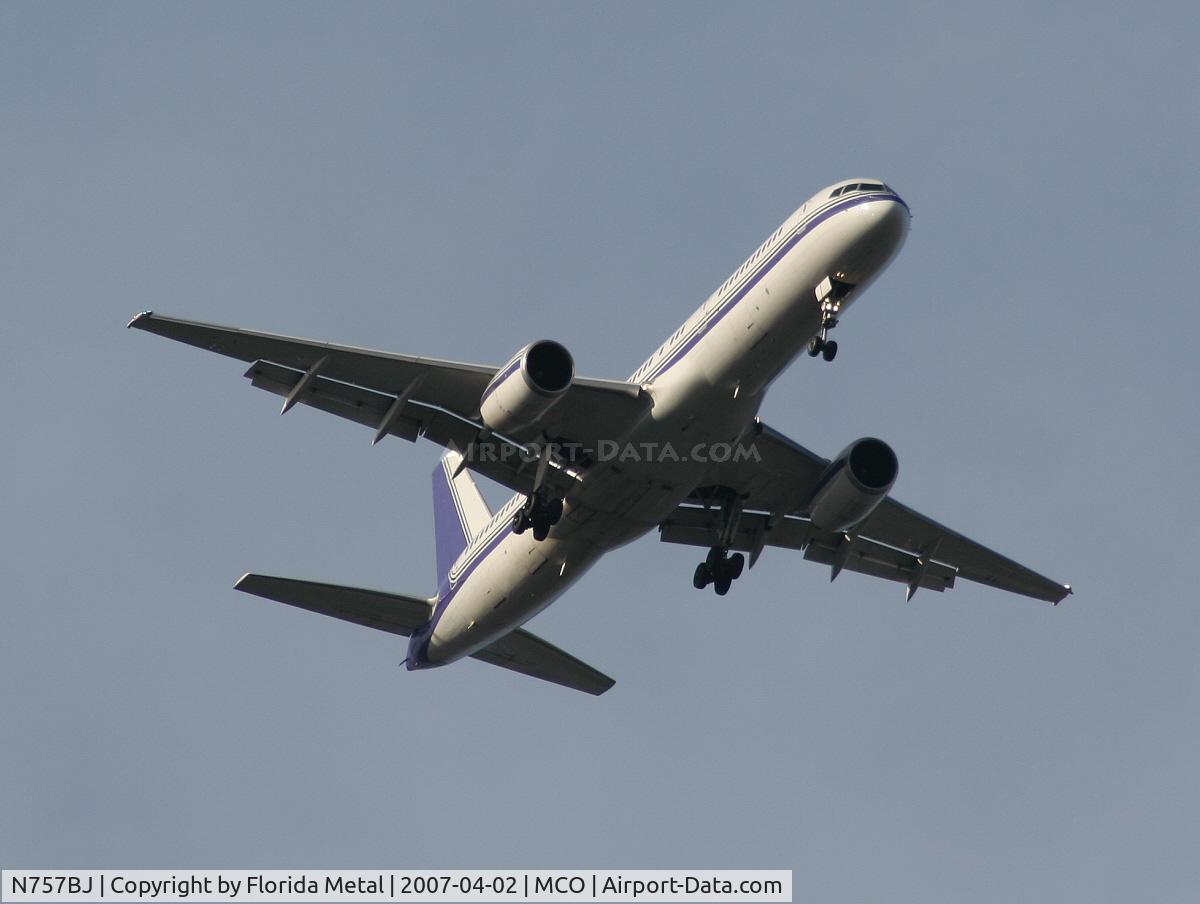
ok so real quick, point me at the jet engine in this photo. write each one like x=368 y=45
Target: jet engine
x=854 y=484
x=525 y=388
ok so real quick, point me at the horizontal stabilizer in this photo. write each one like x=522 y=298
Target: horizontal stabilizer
x=519 y=651
x=528 y=654
x=389 y=612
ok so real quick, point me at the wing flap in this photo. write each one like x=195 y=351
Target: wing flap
x=699 y=527
x=696 y=526
x=897 y=525
x=391 y=612
x=363 y=406
x=879 y=561
x=520 y=651
x=506 y=463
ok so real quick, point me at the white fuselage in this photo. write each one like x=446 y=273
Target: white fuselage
x=706 y=383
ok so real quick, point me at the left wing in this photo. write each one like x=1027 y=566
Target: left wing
x=894 y=542
x=405 y=395
x=450 y=384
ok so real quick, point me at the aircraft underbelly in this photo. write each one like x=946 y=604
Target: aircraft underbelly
x=516 y=582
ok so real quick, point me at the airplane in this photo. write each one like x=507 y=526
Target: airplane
x=595 y=463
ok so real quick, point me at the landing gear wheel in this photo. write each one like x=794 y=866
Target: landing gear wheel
x=540 y=514
x=831 y=305
x=719 y=569
x=736 y=563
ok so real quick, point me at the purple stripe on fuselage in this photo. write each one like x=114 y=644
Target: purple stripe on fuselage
x=761 y=273
x=418 y=645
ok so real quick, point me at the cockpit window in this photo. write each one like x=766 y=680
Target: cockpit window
x=861 y=186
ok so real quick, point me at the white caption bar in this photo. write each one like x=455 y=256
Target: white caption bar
x=396 y=885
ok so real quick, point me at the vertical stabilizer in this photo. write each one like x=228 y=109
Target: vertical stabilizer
x=459 y=512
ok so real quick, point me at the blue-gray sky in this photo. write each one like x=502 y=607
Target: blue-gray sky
x=456 y=180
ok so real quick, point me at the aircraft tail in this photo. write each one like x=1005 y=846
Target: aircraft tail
x=459 y=512
x=395 y=613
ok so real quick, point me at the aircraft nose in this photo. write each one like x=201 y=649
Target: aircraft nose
x=882 y=227
x=889 y=218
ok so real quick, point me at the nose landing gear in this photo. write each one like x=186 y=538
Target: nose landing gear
x=830 y=292
x=821 y=344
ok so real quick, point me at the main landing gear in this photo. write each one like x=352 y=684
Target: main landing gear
x=539 y=513
x=720 y=569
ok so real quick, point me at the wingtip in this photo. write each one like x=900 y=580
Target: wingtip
x=237 y=585
x=139 y=319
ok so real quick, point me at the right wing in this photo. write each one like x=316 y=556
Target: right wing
x=894 y=542
x=406 y=395
x=518 y=651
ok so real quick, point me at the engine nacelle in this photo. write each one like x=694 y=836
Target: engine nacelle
x=856 y=482
x=525 y=388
